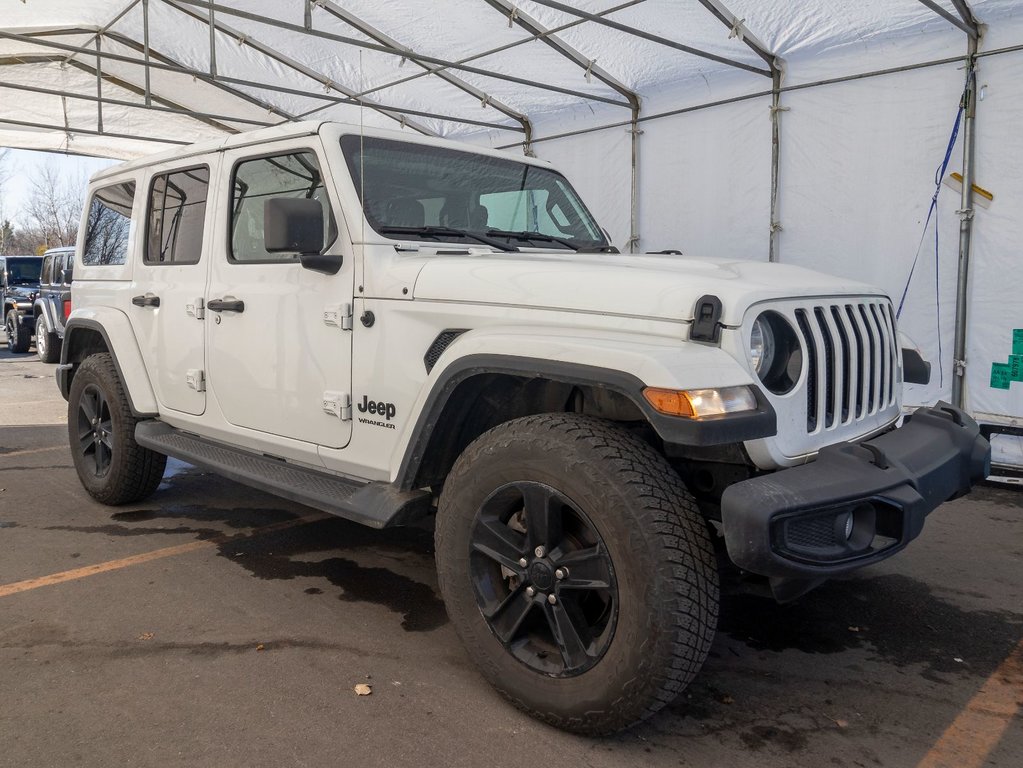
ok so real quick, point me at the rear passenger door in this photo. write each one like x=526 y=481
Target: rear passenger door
x=167 y=309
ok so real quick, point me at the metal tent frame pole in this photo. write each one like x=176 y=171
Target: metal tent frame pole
x=591 y=69
x=221 y=81
x=293 y=64
x=499 y=49
x=223 y=10
x=738 y=29
x=486 y=99
x=662 y=41
x=965 y=229
x=967 y=22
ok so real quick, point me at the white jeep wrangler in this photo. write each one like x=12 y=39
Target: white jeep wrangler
x=386 y=327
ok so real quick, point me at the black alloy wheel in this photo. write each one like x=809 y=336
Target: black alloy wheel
x=111 y=466
x=19 y=337
x=95 y=431
x=543 y=579
x=576 y=570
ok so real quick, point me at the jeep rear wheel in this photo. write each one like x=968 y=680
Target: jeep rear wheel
x=576 y=570
x=112 y=467
x=19 y=335
x=47 y=342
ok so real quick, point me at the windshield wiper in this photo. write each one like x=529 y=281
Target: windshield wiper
x=533 y=236
x=450 y=231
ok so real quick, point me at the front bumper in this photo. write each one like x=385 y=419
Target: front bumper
x=26 y=316
x=857 y=504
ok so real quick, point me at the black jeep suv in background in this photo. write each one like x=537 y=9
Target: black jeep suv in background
x=53 y=304
x=19 y=286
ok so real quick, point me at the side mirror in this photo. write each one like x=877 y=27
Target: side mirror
x=915 y=370
x=296 y=225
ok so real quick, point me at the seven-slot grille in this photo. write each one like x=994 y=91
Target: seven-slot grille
x=852 y=364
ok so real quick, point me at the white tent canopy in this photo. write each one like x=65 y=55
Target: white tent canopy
x=805 y=131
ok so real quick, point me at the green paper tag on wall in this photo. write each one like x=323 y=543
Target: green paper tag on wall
x=1001 y=376
x=1016 y=367
x=1017 y=341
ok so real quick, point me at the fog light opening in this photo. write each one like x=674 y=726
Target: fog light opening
x=856 y=526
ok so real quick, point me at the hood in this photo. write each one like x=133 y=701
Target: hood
x=23 y=291
x=641 y=285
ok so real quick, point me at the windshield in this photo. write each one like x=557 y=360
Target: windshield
x=23 y=271
x=418 y=191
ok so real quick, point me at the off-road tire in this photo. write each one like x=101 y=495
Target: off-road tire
x=19 y=335
x=47 y=342
x=134 y=472
x=659 y=546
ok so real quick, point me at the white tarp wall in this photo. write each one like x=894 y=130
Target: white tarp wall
x=857 y=158
x=857 y=169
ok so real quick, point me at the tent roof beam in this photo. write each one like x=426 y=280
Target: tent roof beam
x=87 y=131
x=964 y=11
x=224 y=82
x=174 y=109
x=375 y=34
x=740 y=30
x=540 y=32
x=653 y=38
x=272 y=53
x=500 y=49
x=964 y=21
x=124 y=12
x=220 y=81
x=373 y=46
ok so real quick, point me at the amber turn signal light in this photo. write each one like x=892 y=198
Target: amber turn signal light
x=700 y=403
x=670 y=401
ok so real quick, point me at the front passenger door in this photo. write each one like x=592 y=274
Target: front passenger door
x=280 y=347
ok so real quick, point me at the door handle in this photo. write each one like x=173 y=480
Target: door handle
x=226 y=304
x=148 y=300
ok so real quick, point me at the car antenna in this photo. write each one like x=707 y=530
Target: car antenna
x=362 y=155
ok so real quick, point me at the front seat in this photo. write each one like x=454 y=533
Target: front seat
x=479 y=219
x=406 y=212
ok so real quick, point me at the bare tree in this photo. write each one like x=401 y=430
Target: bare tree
x=54 y=207
x=6 y=229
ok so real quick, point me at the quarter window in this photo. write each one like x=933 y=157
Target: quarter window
x=177 y=212
x=293 y=175
x=47 y=273
x=108 y=226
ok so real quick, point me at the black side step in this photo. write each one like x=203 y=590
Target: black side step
x=377 y=505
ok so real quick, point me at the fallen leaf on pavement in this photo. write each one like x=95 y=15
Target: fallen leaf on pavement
x=146 y=636
x=363 y=690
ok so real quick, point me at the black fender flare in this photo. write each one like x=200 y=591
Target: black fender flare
x=673 y=430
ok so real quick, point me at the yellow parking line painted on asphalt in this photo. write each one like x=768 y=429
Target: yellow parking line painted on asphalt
x=29 y=451
x=968 y=741
x=145 y=557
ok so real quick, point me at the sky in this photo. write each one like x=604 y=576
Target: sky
x=22 y=164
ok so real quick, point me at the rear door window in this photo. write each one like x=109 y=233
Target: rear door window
x=177 y=213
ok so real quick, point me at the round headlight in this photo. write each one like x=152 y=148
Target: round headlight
x=775 y=352
x=761 y=345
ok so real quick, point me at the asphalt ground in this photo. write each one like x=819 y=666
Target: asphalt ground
x=216 y=625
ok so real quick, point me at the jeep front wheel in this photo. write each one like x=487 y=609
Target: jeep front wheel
x=19 y=336
x=576 y=570
x=112 y=467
